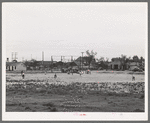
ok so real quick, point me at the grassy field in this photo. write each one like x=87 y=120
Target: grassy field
x=97 y=92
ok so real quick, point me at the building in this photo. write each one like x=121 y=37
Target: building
x=86 y=62
x=41 y=65
x=116 y=64
x=133 y=65
x=120 y=64
x=15 y=66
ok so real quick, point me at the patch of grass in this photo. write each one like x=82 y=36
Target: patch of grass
x=142 y=96
x=49 y=104
x=138 y=110
x=27 y=108
x=53 y=109
x=11 y=104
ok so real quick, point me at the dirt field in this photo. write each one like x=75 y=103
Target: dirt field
x=96 y=92
x=95 y=76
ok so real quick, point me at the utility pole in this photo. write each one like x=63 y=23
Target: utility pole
x=12 y=56
x=51 y=63
x=61 y=58
x=82 y=60
x=42 y=57
x=64 y=58
x=71 y=58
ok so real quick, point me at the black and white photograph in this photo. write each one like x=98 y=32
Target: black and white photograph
x=74 y=61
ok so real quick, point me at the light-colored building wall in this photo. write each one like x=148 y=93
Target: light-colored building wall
x=16 y=67
x=116 y=65
x=20 y=67
x=133 y=65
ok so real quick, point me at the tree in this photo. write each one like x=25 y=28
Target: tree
x=31 y=63
x=123 y=61
x=26 y=63
x=136 y=59
x=141 y=59
x=107 y=59
x=91 y=55
x=103 y=63
x=34 y=63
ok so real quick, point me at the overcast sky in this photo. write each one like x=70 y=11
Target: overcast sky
x=66 y=29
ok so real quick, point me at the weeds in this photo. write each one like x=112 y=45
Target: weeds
x=49 y=104
x=138 y=110
x=117 y=89
x=53 y=109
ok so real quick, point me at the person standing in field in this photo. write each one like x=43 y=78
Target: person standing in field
x=80 y=73
x=133 y=78
x=21 y=72
x=23 y=75
x=55 y=76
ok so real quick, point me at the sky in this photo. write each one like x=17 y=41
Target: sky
x=67 y=29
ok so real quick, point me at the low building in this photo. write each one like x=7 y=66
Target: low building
x=15 y=66
x=133 y=65
x=71 y=64
x=45 y=65
x=83 y=62
x=116 y=64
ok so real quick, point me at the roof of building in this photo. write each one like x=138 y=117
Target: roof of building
x=45 y=62
x=115 y=59
x=71 y=63
x=77 y=63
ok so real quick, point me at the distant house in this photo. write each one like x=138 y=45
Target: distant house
x=83 y=62
x=115 y=64
x=59 y=64
x=109 y=65
x=44 y=64
x=15 y=66
x=120 y=64
x=133 y=65
x=71 y=64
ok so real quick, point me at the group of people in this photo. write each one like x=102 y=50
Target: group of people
x=80 y=72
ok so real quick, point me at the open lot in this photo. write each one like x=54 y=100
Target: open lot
x=95 y=76
x=102 y=91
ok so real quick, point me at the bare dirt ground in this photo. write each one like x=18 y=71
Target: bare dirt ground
x=95 y=76
x=96 y=92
